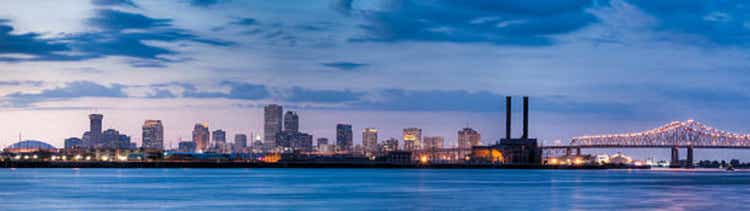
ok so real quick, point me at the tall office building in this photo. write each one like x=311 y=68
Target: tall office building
x=468 y=138
x=433 y=142
x=272 y=125
x=240 y=140
x=201 y=137
x=153 y=135
x=344 y=137
x=370 y=141
x=95 y=130
x=291 y=121
x=412 y=139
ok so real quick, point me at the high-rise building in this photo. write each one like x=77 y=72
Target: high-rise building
x=95 y=130
x=390 y=145
x=468 y=138
x=344 y=137
x=153 y=135
x=370 y=140
x=291 y=121
x=412 y=139
x=219 y=138
x=240 y=140
x=272 y=125
x=201 y=137
x=433 y=142
x=112 y=139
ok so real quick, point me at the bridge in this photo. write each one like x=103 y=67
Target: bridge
x=688 y=134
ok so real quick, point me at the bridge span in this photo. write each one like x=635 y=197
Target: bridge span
x=688 y=134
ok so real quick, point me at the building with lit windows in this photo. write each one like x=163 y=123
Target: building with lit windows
x=272 y=123
x=152 y=135
x=201 y=137
x=344 y=138
x=412 y=139
x=370 y=141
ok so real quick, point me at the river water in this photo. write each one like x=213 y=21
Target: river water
x=371 y=189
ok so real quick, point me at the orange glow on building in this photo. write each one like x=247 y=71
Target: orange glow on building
x=272 y=158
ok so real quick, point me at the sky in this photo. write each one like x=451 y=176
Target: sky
x=590 y=67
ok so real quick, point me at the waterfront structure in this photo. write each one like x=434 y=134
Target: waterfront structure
x=412 y=139
x=95 y=130
x=344 y=138
x=152 y=135
x=370 y=140
x=433 y=142
x=522 y=150
x=271 y=125
x=468 y=138
x=291 y=121
x=201 y=137
x=240 y=140
x=73 y=143
x=322 y=141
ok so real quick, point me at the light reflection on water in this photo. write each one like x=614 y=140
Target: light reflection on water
x=357 y=189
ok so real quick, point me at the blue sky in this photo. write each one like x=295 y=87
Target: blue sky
x=589 y=66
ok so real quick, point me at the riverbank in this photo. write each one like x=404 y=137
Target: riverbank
x=284 y=164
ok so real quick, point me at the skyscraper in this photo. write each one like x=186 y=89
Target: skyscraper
x=344 y=137
x=370 y=140
x=412 y=139
x=200 y=137
x=153 y=135
x=219 y=138
x=95 y=130
x=468 y=138
x=272 y=125
x=240 y=140
x=291 y=121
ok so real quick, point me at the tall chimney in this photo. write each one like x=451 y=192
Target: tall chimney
x=507 y=118
x=525 y=118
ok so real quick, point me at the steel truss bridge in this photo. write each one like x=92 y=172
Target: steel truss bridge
x=678 y=134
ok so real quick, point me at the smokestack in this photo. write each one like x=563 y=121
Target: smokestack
x=507 y=118
x=525 y=118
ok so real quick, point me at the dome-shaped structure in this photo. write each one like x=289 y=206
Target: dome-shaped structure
x=30 y=146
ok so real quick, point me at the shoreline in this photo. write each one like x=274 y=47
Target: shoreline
x=293 y=164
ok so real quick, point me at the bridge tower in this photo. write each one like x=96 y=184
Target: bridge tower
x=690 y=163
x=675 y=157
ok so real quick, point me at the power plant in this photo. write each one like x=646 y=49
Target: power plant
x=523 y=150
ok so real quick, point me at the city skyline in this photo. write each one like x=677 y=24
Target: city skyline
x=615 y=66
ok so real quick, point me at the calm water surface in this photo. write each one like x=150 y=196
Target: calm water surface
x=370 y=189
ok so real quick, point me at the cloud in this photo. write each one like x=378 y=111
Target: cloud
x=32 y=45
x=117 y=33
x=498 y=22
x=298 y=94
x=22 y=83
x=244 y=21
x=344 y=65
x=204 y=3
x=127 y=3
x=70 y=90
x=700 y=22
